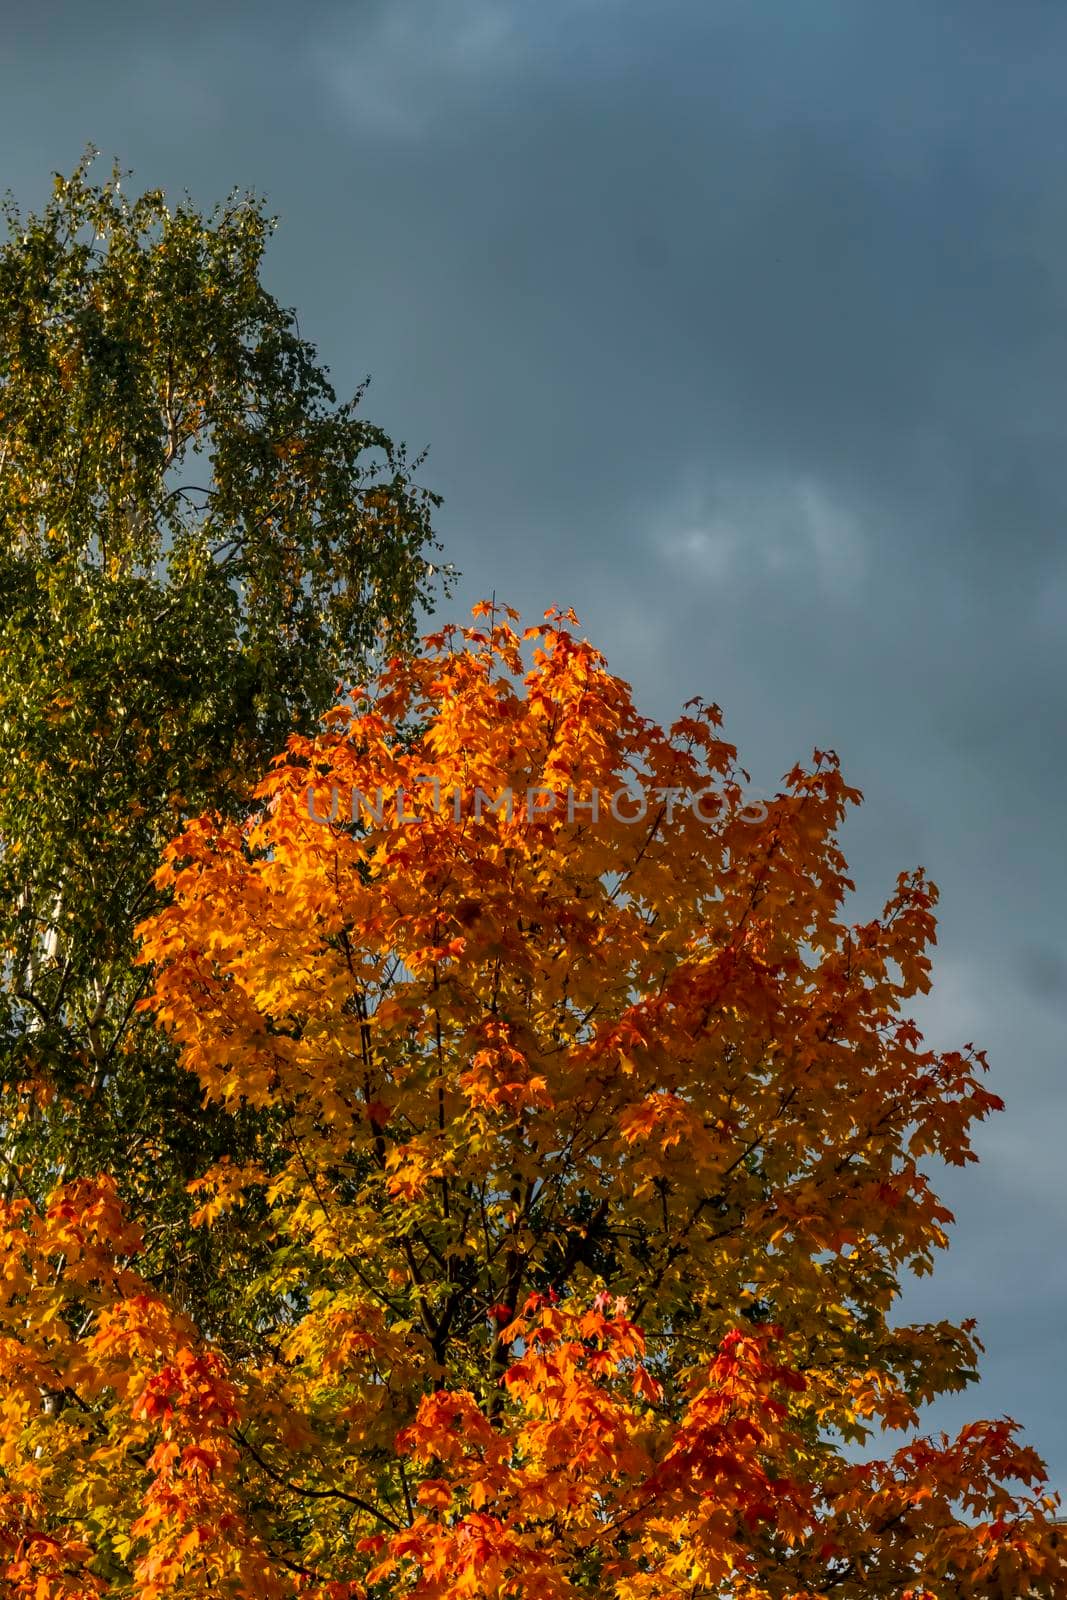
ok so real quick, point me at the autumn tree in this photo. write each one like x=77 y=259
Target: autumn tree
x=589 y=1145
x=196 y=541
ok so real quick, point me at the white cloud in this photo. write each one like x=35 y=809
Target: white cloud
x=709 y=551
x=834 y=539
x=795 y=529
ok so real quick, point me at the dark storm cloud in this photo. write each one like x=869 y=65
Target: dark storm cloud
x=741 y=327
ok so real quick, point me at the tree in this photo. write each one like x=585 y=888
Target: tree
x=196 y=541
x=589 y=1148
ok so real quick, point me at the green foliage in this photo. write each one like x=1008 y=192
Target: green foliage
x=196 y=542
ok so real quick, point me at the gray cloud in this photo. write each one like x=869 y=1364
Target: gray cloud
x=742 y=329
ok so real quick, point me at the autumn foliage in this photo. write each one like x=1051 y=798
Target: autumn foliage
x=577 y=1165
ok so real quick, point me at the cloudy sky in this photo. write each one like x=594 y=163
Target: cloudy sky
x=741 y=327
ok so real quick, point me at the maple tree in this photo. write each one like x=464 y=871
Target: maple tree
x=586 y=1144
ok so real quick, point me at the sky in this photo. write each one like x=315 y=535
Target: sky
x=740 y=327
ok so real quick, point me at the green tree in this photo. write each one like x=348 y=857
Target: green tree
x=196 y=542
